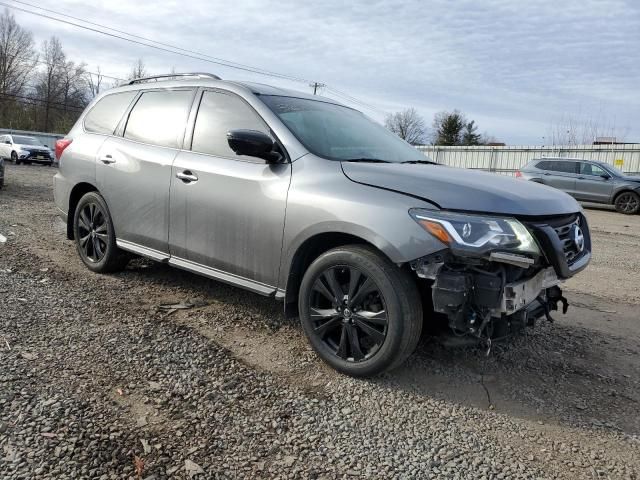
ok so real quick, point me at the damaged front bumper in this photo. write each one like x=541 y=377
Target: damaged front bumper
x=498 y=295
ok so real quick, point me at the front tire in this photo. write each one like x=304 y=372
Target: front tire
x=361 y=313
x=628 y=203
x=14 y=158
x=94 y=235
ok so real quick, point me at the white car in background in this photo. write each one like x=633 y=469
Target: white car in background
x=23 y=149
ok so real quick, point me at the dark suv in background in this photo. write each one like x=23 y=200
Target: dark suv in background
x=587 y=181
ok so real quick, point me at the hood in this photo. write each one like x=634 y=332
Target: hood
x=631 y=178
x=461 y=189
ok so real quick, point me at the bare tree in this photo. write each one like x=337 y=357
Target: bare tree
x=94 y=82
x=17 y=60
x=49 y=81
x=60 y=89
x=138 y=70
x=576 y=129
x=408 y=125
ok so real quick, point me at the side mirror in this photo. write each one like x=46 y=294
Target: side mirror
x=47 y=146
x=253 y=144
x=606 y=176
x=8 y=142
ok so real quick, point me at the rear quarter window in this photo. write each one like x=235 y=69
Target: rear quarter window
x=106 y=114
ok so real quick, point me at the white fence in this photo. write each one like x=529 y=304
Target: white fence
x=506 y=160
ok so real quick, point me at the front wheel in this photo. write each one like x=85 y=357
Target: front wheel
x=94 y=235
x=628 y=203
x=361 y=313
x=14 y=158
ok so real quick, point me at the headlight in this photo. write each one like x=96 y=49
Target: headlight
x=476 y=234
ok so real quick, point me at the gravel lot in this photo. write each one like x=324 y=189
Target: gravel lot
x=97 y=381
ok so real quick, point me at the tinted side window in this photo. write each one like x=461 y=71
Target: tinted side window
x=560 y=166
x=543 y=165
x=159 y=118
x=218 y=113
x=591 y=169
x=105 y=115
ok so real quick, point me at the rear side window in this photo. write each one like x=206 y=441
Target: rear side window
x=557 y=166
x=218 y=113
x=159 y=118
x=105 y=115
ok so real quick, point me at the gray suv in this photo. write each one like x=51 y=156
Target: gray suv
x=587 y=181
x=303 y=199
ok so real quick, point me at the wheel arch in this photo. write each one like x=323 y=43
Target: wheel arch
x=310 y=249
x=623 y=190
x=76 y=194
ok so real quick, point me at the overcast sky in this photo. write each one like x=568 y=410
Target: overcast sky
x=515 y=67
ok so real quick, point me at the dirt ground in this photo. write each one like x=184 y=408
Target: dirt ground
x=97 y=381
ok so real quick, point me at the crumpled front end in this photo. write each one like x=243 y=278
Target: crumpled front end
x=492 y=291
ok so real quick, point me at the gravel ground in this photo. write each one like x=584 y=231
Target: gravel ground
x=97 y=381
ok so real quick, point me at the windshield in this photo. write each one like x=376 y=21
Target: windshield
x=339 y=133
x=25 y=140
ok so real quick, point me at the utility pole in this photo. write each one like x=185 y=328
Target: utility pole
x=315 y=86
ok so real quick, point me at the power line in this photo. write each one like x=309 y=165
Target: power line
x=31 y=101
x=217 y=59
x=42 y=62
x=172 y=49
x=224 y=63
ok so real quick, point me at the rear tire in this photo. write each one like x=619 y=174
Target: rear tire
x=94 y=235
x=628 y=203
x=361 y=313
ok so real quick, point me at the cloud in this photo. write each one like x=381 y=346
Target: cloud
x=513 y=66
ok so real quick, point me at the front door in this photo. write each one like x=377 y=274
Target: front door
x=227 y=211
x=133 y=171
x=593 y=184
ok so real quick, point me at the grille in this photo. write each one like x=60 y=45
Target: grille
x=569 y=247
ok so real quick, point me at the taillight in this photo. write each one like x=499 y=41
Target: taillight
x=61 y=145
x=518 y=174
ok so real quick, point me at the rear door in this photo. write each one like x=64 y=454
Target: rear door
x=227 y=211
x=560 y=174
x=591 y=185
x=133 y=169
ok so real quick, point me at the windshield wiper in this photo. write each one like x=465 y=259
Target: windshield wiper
x=425 y=162
x=366 y=159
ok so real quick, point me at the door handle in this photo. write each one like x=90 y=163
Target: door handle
x=187 y=176
x=580 y=178
x=107 y=159
x=547 y=174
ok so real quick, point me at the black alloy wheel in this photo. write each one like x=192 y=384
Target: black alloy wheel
x=92 y=228
x=628 y=203
x=348 y=312
x=94 y=235
x=361 y=313
x=14 y=158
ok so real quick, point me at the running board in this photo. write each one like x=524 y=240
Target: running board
x=200 y=269
x=225 y=277
x=156 y=255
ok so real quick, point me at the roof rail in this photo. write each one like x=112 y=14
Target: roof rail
x=169 y=76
